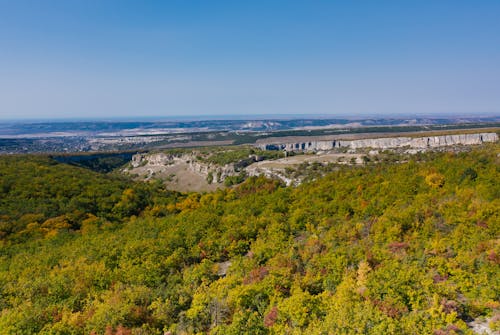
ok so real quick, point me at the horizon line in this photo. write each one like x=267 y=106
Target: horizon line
x=249 y=117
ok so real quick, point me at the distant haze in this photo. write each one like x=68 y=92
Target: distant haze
x=108 y=59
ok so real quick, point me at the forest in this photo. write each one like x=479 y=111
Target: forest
x=405 y=247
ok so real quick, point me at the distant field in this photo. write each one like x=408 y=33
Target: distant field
x=194 y=137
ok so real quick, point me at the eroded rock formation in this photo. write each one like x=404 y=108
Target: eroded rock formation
x=219 y=173
x=386 y=142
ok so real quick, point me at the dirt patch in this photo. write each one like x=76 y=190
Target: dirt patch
x=192 y=144
x=299 y=159
x=278 y=168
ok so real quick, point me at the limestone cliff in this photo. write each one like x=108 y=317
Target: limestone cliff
x=155 y=161
x=386 y=142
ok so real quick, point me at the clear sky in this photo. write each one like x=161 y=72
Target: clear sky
x=121 y=58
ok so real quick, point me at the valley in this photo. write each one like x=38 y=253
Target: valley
x=390 y=232
x=290 y=159
x=406 y=244
x=112 y=136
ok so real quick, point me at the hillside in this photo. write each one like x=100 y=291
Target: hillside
x=38 y=194
x=405 y=248
x=292 y=160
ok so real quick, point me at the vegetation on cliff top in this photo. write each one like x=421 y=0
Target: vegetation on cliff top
x=407 y=248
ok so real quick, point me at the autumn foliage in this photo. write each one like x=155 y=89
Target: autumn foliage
x=406 y=248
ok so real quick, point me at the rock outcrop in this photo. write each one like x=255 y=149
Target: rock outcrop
x=386 y=142
x=219 y=173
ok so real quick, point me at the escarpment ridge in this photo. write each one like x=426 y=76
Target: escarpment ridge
x=423 y=142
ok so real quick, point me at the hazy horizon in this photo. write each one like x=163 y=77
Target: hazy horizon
x=122 y=59
x=250 y=117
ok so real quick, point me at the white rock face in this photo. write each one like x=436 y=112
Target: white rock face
x=388 y=142
x=153 y=159
x=203 y=169
x=481 y=326
x=270 y=173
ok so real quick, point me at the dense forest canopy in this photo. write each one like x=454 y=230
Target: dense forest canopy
x=403 y=248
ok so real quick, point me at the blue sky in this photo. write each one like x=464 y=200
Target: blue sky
x=94 y=58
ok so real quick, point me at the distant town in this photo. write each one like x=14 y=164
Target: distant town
x=108 y=136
